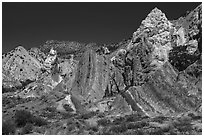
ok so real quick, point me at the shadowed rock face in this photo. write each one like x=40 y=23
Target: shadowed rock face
x=189 y=28
x=156 y=72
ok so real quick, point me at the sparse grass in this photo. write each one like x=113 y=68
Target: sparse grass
x=157 y=132
x=67 y=108
x=27 y=129
x=94 y=129
x=8 y=127
x=38 y=121
x=118 y=121
x=136 y=125
x=67 y=115
x=87 y=115
x=22 y=117
x=119 y=128
x=160 y=119
x=133 y=117
x=104 y=122
x=183 y=126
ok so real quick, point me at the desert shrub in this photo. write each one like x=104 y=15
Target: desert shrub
x=194 y=117
x=67 y=115
x=105 y=131
x=25 y=83
x=51 y=109
x=137 y=125
x=27 y=129
x=104 y=122
x=130 y=118
x=133 y=117
x=157 y=132
x=38 y=121
x=160 y=119
x=183 y=126
x=95 y=129
x=101 y=115
x=8 y=127
x=118 y=129
x=70 y=128
x=67 y=107
x=118 y=120
x=139 y=132
x=87 y=115
x=6 y=90
x=22 y=117
x=145 y=117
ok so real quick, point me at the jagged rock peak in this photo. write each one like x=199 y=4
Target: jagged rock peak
x=17 y=49
x=156 y=18
x=156 y=14
x=20 y=48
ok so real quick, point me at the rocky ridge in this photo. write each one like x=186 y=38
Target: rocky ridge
x=158 y=72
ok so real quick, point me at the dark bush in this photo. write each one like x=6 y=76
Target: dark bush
x=27 y=129
x=118 y=129
x=160 y=119
x=130 y=118
x=8 y=127
x=67 y=115
x=95 y=129
x=67 y=108
x=137 y=125
x=22 y=117
x=101 y=115
x=183 y=126
x=157 y=132
x=133 y=117
x=104 y=122
x=38 y=121
x=6 y=90
x=87 y=115
x=119 y=120
x=51 y=109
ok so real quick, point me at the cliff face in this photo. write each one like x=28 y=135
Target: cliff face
x=91 y=77
x=158 y=71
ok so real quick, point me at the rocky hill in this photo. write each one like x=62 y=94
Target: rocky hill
x=157 y=74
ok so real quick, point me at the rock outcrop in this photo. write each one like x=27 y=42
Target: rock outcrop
x=148 y=79
x=91 y=77
x=156 y=72
x=19 y=65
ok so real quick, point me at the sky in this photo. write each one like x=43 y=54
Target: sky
x=32 y=24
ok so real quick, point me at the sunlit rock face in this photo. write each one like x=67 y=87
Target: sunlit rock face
x=19 y=65
x=155 y=29
x=50 y=59
x=146 y=75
